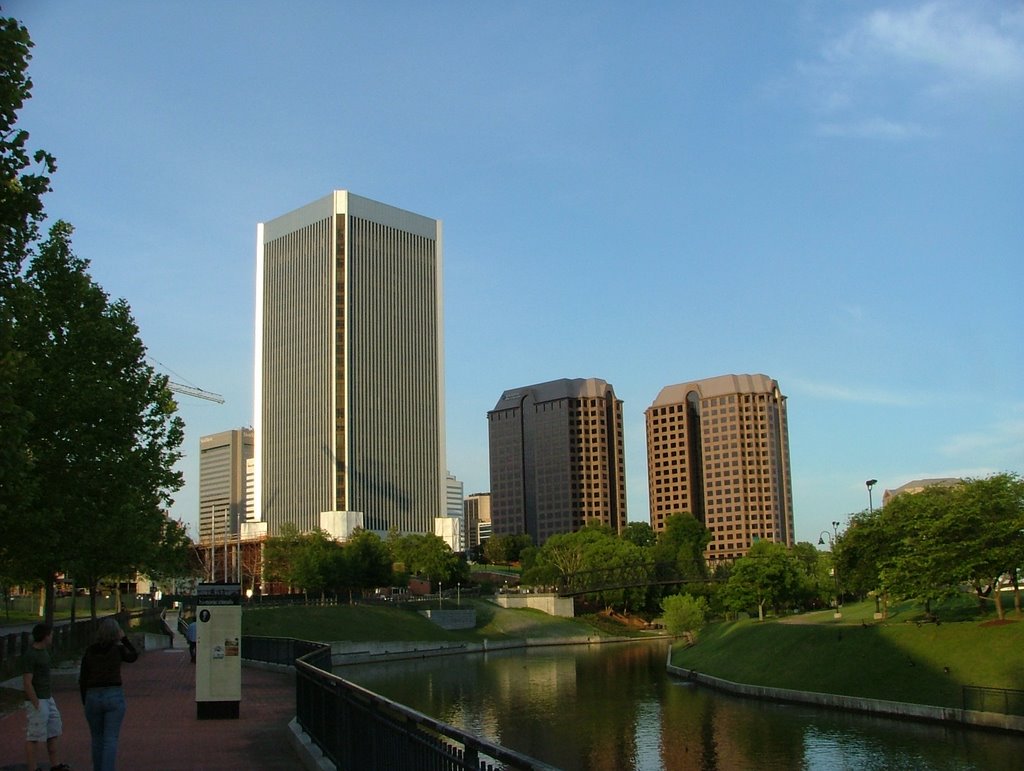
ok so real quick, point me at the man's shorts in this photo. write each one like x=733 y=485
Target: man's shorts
x=43 y=723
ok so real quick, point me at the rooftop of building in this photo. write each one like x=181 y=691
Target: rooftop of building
x=723 y=385
x=553 y=390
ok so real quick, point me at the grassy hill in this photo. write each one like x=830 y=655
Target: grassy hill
x=382 y=622
x=900 y=660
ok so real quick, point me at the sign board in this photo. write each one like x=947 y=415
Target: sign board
x=218 y=650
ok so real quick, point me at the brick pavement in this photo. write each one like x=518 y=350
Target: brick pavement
x=160 y=729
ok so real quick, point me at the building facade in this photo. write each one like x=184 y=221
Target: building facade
x=477 y=509
x=349 y=371
x=719 y=449
x=222 y=484
x=556 y=459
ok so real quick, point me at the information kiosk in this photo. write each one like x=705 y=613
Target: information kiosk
x=218 y=651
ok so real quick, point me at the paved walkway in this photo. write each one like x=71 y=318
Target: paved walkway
x=160 y=730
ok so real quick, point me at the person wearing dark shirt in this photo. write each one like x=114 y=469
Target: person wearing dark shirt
x=44 y=723
x=100 y=684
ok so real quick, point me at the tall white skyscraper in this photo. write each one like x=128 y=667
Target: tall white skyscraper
x=349 y=414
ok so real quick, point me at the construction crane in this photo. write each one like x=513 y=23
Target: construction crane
x=198 y=393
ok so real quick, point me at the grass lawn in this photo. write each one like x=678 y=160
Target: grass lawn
x=899 y=660
x=380 y=622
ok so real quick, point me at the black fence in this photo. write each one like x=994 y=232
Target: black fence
x=358 y=729
x=69 y=639
x=1006 y=701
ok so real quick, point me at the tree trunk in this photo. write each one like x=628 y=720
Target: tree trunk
x=47 y=601
x=92 y=602
x=998 y=595
x=760 y=611
x=1016 y=590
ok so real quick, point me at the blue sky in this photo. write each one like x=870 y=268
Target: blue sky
x=829 y=193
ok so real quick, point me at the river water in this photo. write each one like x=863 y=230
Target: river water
x=614 y=708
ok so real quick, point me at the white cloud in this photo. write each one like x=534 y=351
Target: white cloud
x=873 y=128
x=844 y=393
x=884 y=71
x=951 y=39
x=1000 y=444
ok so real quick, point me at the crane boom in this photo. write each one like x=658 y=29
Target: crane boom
x=198 y=393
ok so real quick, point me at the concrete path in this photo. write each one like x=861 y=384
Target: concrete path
x=160 y=730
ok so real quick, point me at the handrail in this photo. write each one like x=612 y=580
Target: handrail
x=356 y=728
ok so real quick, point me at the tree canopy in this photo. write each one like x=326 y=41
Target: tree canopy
x=88 y=431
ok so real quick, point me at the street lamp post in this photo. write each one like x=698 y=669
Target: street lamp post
x=832 y=538
x=871 y=483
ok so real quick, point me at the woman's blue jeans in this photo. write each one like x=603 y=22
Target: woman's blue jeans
x=104 y=711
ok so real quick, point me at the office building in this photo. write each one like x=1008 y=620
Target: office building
x=719 y=449
x=349 y=371
x=918 y=485
x=222 y=484
x=477 y=509
x=556 y=454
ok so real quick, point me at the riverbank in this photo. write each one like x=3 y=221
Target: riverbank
x=901 y=661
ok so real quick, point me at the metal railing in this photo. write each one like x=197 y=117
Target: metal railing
x=1006 y=701
x=69 y=639
x=358 y=729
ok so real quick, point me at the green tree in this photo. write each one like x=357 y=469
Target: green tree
x=640 y=533
x=506 y=549
x=860 y=552
x=679 y=551
x=684 y=615
x=428 y=555
x=925 y=562
x=24 y=179
x=368 y=560
x=765 y=577
x=319 y=563
x=104 y=436
x=281 y=556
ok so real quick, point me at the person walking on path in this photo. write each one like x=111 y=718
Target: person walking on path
x=190 y=635
x=44 y=723
x=100 y=684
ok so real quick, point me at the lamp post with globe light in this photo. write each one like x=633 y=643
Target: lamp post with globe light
x=832 y=538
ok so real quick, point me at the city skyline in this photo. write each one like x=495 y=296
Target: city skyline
x=827 y=193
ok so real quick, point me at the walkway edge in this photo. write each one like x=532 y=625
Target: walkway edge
x=896 y=709
x=309 y=753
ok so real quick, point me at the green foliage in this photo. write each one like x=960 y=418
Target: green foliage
x=684 y=614
x=24 y=178
x=88 y=432
x=428 y=555
x=931 y=544
x=766 y=577
x=679 y=550
x=640 y=533
x=504 y=549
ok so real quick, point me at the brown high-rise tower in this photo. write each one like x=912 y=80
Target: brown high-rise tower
x=719 y=449
x=556 y=456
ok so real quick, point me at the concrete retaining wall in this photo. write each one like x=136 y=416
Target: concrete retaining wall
x=897 y=709
x=345 y=653
x=551 y=604
x=452 y=619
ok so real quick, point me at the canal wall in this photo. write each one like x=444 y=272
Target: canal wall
x=551 y=604
x=897 y=709
x=347 y=653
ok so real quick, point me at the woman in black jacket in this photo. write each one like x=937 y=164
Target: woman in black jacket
x=102 y=694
